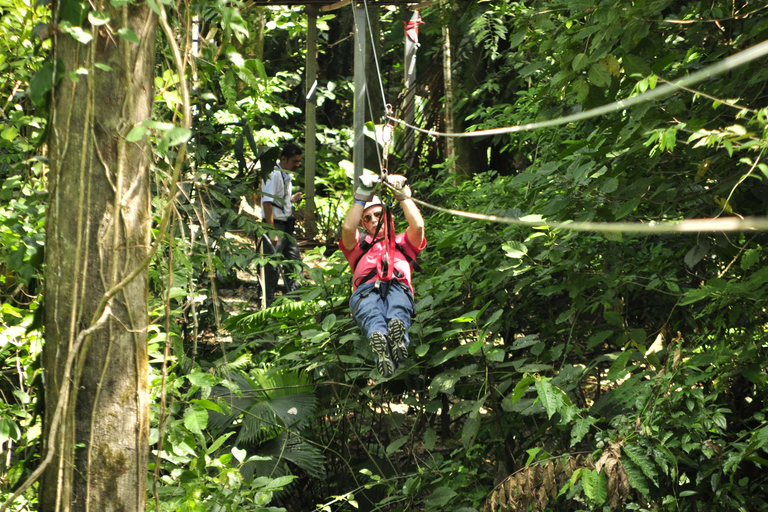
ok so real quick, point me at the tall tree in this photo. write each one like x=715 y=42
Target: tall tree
x=95 y=356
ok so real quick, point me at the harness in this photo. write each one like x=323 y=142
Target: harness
x=388 y=270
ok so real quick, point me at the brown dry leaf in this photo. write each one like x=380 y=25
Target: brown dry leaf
x=618 y=484
x=509 y=487
x=548 y=479
x=533 y=487
x=490 y=503
x=534 y=478
x=499 y=496
x=610 y=454
x=570 y=467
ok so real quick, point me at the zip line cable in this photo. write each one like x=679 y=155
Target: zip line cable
x=375 y=56
x=727 y=224
x=649 y=228
x=729 y=63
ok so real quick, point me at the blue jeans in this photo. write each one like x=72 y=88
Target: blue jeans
x=372 y=309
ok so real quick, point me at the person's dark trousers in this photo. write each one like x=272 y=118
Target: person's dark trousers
x=289 y=250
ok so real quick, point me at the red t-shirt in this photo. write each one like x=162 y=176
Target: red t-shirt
x=372 y=258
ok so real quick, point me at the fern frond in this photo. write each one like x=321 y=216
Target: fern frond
x=254 y=321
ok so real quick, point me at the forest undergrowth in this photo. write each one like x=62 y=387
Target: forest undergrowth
x=549 y=369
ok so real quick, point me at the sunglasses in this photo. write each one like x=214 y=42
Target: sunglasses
x=368 y=217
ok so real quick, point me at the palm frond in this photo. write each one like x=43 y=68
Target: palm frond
x=286 y=447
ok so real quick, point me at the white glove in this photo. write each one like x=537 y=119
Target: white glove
x=401 y=190
x=367 y=187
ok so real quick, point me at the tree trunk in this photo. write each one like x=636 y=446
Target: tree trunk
x=98 y=232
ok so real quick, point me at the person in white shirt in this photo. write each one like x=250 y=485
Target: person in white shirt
x=277 y=198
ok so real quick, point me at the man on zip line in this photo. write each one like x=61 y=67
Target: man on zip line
x=382 y=300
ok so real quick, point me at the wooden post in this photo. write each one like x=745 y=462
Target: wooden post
x=358 y=158
x=311 y=120
x=450 y=150
x=412 y=20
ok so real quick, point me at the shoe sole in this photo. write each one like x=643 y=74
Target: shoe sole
x=397 y=339
x=380 y=348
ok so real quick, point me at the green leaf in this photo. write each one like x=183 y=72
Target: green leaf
x=533 y=453
x=208 y=404
x=396 y=445
x=609 y=186
x=525 y=341
x=129 y=35
x=581 y=428
x=328 y=322
x=73 y=12
x=749 y=258
x=202 y=379
x=522 y=386
x=444 y=382
x=470 y=430
x=461 y=407
x=580 y=61
x=763 y=168
x=155 y=8
x=421 y=350
x=43 y=81
x=598 y=338
x=635 y=65
x=627 y=208
x=581 y=89
x=430 y=438
x=617 y=370
x=599 y=76
x=697 y=253
x=494 y=318
x=218 y=442
x=613 y=318
x=550 y=396
x=466 y=261
x=9 y=133
x=8 y=430
x=595 y=486
x=136 y=134
x=196 y=419
x=439 y=499
x=77 y=33
x=178 y=135
x=515 y=250
x=640 y=458
x=98 y=18
x=638 y=336
x=636 y=477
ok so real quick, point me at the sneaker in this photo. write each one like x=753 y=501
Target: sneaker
x=380 y=348
x=396 y=335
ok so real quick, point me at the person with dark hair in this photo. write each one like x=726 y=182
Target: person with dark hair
x=381 y=262
x=277 y=198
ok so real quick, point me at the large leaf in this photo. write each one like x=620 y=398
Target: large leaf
x=550 y=396
x=196 y=419
x=640 y=458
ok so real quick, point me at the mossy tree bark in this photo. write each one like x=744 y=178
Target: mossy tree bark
x=98 y=234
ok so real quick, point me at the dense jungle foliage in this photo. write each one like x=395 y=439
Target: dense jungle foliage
x=549 y=369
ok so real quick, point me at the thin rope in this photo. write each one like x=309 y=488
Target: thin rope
x=743 y=57
x=379 y=151
x=649 y=228
x=376 y=59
